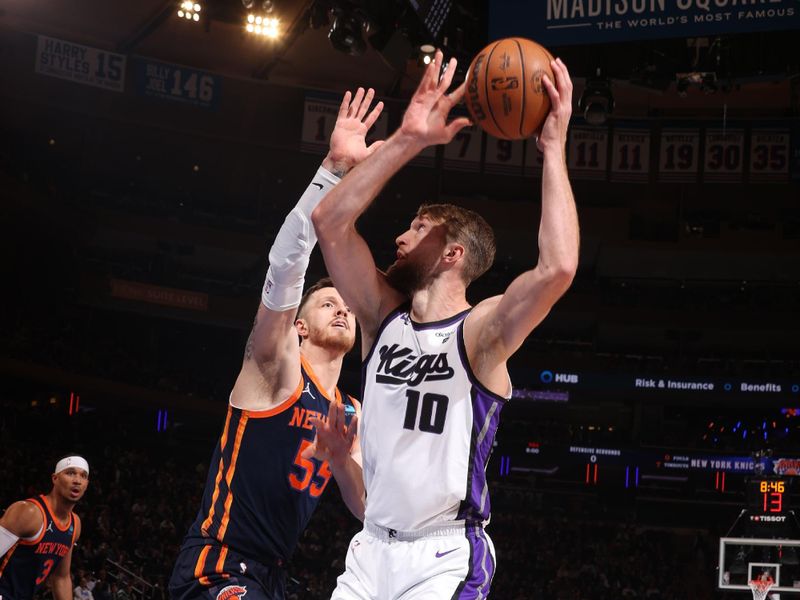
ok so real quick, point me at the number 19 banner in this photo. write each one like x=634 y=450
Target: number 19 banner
x=678 y=156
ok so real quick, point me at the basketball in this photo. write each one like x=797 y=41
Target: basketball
x=505 y=94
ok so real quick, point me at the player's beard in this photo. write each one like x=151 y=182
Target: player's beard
x=407 y=277
x=337 y=340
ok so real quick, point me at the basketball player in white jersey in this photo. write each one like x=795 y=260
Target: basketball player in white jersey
x=435 y=376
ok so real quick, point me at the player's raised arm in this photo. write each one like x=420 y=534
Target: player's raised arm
x=501 y=324
x=272 y=358
x=347 y=256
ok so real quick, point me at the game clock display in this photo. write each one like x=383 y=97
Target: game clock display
x=768 y=496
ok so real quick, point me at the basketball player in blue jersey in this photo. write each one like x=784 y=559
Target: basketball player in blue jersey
x=37 y=535
x=263 y=483
x=435 y=376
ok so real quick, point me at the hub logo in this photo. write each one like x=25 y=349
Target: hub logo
x=550 y=377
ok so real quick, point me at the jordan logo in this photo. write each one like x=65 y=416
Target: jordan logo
x=50 y=527
x=308 y=391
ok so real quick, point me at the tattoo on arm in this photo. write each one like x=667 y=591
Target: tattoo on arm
x=248 y=350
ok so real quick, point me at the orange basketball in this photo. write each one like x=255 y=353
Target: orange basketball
x=505 y=94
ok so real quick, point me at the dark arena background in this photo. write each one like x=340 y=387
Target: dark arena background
x=148 y=157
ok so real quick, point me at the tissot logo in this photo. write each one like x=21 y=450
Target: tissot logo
x=401 y=365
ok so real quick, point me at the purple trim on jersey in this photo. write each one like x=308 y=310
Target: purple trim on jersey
x=486 y=408
x=462 y=352
x=437 y=324
x=476 y=585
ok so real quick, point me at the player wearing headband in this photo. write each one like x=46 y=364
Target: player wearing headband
x=37 y=535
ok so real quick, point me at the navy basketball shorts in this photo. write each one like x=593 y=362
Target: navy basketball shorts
x=215 y=572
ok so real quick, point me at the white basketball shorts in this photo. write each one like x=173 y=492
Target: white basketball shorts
x=454 y=562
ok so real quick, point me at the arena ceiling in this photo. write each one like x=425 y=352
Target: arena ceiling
x=755 y=70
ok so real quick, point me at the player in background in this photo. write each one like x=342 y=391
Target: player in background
x=37 y=535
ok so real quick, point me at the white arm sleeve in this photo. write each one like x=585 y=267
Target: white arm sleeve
x=7 y=540
x=290 y=253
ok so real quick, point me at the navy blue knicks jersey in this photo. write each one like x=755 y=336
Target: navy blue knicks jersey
x=26 y=566
x=261 y=492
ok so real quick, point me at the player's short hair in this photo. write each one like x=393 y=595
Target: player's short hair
x=322 y=283
x=469 y=229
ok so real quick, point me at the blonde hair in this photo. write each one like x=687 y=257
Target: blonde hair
x=468 y=228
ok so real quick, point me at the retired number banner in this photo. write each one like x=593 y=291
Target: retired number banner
x=588 y=153
x=319 y=119
x=631 y=155
x=724 y=155
x=79 y=63
x=679 y=155
x=769 y=156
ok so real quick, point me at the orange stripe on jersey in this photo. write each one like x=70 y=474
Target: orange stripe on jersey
x=201 y=565
x=229 y=477
x=220 y=566
x=210 y=517
x=286 y=404
x=55 y=518
x=8 y=558
x=313 y=377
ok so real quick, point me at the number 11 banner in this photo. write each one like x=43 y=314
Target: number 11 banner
x=678 y=159
x=588 y=153
x=630 y=156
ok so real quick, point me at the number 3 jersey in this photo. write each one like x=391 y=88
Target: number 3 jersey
x=260 y=492
x=26 y=566
x=427 y=427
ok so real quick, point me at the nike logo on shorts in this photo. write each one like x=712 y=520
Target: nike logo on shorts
x=319 y=185
x=441 y=554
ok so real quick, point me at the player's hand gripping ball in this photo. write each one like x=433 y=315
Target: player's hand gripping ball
x=505 y=94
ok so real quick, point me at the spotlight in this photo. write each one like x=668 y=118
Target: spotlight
x=426 y=52
x=190 y=10
x=597 y=102
x=346 y=35
x=263 y=25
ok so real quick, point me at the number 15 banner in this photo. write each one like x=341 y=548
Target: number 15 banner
x=81 y=64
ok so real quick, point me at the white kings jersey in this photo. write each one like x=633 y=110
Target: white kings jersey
x=428 y=426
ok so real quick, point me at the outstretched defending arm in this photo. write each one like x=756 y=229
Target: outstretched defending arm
x=272 y=357
x=499 y=325
x=347 y=255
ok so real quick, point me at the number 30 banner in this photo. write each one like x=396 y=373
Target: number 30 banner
x=724 y=155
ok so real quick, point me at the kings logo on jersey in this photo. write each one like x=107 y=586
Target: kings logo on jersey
x=400 y=365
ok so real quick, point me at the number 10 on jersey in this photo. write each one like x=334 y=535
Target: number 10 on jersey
x=430 y=416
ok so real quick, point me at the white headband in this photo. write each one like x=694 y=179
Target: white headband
x=72 y=461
